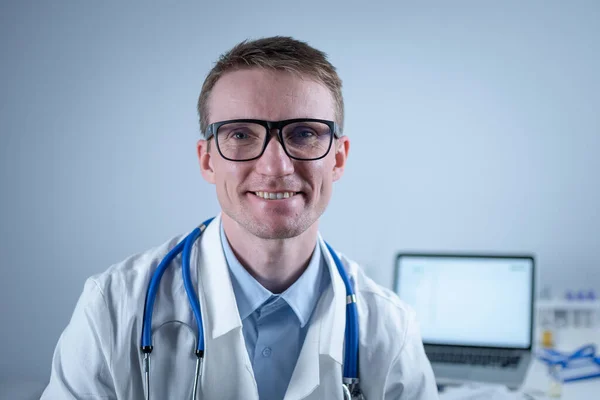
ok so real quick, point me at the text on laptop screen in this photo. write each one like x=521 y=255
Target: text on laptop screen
x=469 y=301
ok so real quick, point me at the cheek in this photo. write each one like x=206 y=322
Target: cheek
x=327 y=186
x=328 y=176
x=227 y=178
x=320 y=175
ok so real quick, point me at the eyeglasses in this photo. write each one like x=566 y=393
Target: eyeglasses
x=304 y=139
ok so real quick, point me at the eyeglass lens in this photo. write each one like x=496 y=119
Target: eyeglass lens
x=302 y=140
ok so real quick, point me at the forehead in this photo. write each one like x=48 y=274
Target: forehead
x=269 y=95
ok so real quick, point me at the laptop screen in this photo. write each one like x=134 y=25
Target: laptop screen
x=469 y=300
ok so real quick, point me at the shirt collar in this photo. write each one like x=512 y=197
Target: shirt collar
x=302 y=296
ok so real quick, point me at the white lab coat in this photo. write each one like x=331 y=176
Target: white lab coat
x=98 y=355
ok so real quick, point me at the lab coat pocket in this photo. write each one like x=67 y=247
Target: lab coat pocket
x=173 y=361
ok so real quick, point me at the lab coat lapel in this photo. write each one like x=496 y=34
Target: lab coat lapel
x=323 y=343
x=332 y=337
x=215 y=283
x=226 y=357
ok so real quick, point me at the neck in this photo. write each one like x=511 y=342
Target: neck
x=275 y=263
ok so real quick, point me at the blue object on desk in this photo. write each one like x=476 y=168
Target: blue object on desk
x=583 y=363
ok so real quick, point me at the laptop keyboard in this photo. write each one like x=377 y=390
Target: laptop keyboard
x=470 y=356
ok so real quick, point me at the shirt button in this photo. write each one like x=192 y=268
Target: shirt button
x=266 y=352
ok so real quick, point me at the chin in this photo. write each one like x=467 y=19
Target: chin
x=276 y=226
x=281 y=230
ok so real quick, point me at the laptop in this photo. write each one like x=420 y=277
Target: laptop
x=475 y=313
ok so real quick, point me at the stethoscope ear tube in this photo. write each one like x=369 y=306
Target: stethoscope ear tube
x=184 y=247
x=151 y=296
x=351 y=334
x=189 y=288
x=146 y=345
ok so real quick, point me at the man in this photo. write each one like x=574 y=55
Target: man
x=271 y=298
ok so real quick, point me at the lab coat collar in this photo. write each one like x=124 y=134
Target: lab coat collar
x=334 y=311
x=325 y=336
x=249 y=293
x=215 y=287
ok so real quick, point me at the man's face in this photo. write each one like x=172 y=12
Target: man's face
x=273 y=96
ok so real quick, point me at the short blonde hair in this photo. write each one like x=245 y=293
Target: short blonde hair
x=279 y=53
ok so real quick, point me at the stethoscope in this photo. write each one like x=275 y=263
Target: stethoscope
x=350 y=383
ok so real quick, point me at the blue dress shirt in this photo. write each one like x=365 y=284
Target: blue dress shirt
x=275 y=325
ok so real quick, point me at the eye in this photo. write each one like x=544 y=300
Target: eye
x=305 y=133
x=239 y=135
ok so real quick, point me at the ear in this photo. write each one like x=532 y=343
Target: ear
x=205 y=160
x=342 y=147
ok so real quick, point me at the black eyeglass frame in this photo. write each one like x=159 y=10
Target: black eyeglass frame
x=270 y=125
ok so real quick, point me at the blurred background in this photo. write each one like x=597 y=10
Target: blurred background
x=474 y=126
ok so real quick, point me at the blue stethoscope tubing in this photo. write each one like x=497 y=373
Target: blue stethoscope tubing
x=350 y=382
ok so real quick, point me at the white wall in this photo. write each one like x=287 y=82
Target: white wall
x=474 y=126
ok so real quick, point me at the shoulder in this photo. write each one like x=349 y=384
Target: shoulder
x=387 y=316
x=115 y=298
x=393 y=360
x=123 y=284
x=391 y=345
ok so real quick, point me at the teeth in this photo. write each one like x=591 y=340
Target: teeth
x=274 y=195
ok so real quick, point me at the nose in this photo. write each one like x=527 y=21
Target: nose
x=274 y=161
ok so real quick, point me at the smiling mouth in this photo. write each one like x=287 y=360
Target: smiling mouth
x=275 y=195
